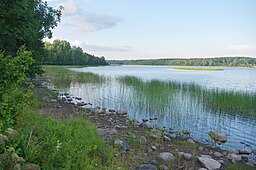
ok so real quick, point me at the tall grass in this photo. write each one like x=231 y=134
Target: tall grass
x=227 y=101
x=61 y=77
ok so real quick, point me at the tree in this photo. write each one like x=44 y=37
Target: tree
x=26 y=22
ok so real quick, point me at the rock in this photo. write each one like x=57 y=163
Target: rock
x=200 y=148
x=12 y=133
x=106 y=132
x=166 y=156
x=145 y=120
x=220 y=135
x=111 y=110
x=166 y=138
x=202 y=169
x=245 y=151
x=187 y=156
x=207 y=156
x=143 y=140
x=172 y=136
x=252 y=161
x=121 y=112
x=81 y=104
x=186 y=132
x=17 y=167
x=155 y=118
x=209 y=163
x=234 y=157
x=78 y=98
x=147 y=167
x=249 y=164
x=233 y=151
x=31 y=166
x=153 y=148
x=217 y=154
x=154 y=136
x=245 y=157
x=191 y=141
x=221 y=161
x=180 y=154
x=98 y=111
x=125 y=146
x=163 y=167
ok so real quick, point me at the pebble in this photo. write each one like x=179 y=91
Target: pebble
x=200 y=148
x=163 y=167
x=217 y=154
x=191 y=141
x=166 y=156
x=147 y=167
x=187 y=156
x=245 y=151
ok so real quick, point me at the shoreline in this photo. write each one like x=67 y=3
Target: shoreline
x=137 y=137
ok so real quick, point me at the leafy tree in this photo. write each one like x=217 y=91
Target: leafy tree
x=26 y=22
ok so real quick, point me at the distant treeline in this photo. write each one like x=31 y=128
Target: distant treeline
x=221 y=61
x=60 y=52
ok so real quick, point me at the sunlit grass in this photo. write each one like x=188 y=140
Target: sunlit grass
x=198 y=68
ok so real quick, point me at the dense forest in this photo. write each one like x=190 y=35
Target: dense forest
x=60 y=52
x=221 y=61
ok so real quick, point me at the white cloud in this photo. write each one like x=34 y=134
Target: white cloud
x=243 y=47
x=86 y=21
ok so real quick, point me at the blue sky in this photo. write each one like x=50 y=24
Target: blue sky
x=142 y=29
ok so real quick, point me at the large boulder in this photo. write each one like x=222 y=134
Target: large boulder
x=219 y=136
x=209 y=163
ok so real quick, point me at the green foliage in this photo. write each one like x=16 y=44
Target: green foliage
x=61 y=144
x=60 y=52
x=12 y=73
x=26 y=22
x=221 y=61
x=199 y=69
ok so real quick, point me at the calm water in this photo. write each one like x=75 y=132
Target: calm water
x=174 y=109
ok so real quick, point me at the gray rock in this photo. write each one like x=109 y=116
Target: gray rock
x=207 y=156
x=109 y=132
x=180 y=154
x=202 y=169
x=143 y=140
x=145 y=120
x=166 y=138
x=154 y=136
x=234 y=157
x=172 y=136
x=252 y=161
x=220 y=135
x=186 y=132
x=245 y=151
x=121 y=112
x=221 y=161
x=200 y=148
x=163 y=167
x=147 y=167
x=217 y=154
x=234 y=151
x=153 y=148
x=154 y=162
x=249 y=164
x=166 y=156
x=191 y=141
x=187 y=156
x=125 y=146
x=81 y=104
x=209 y=163
x=99 y=111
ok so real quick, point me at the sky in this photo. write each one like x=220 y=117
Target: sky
x=146 y=29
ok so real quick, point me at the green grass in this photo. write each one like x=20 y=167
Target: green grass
x=164 y=94
x=237 y=166
x=61 y=77
x=198 y=68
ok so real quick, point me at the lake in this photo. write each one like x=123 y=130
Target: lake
x=180 y=99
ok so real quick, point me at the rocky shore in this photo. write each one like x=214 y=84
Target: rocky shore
x=141 y=146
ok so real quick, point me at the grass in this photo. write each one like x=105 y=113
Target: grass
x=62 y=78
x=60 y=144
x=164 y=94
x=237 y=166
x=198 y=68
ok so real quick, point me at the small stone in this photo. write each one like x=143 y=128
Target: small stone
x=172 y=136
x=166 y=138
x=148 y=167
x=106 y=132
x=219 y=135
x=249 y=164
x=153 y=148
x=111 y=110
x=145 y=120
x=209 y=163
x=245 y=151
x=221 y=161
x=186 y=132
x=200 y=148
x=154 y=136
x=143 y=140
x=234 y=151
x=191 y=141
x=166 y=156
x=121 y=112
x=252 y=161
x=180 y=154
x=163 y=167
x=202 y=169
x=31 y=166
x=217 y=154
x=187 y=156
x=234 y=157
x=122 y=144
x=154 y=162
